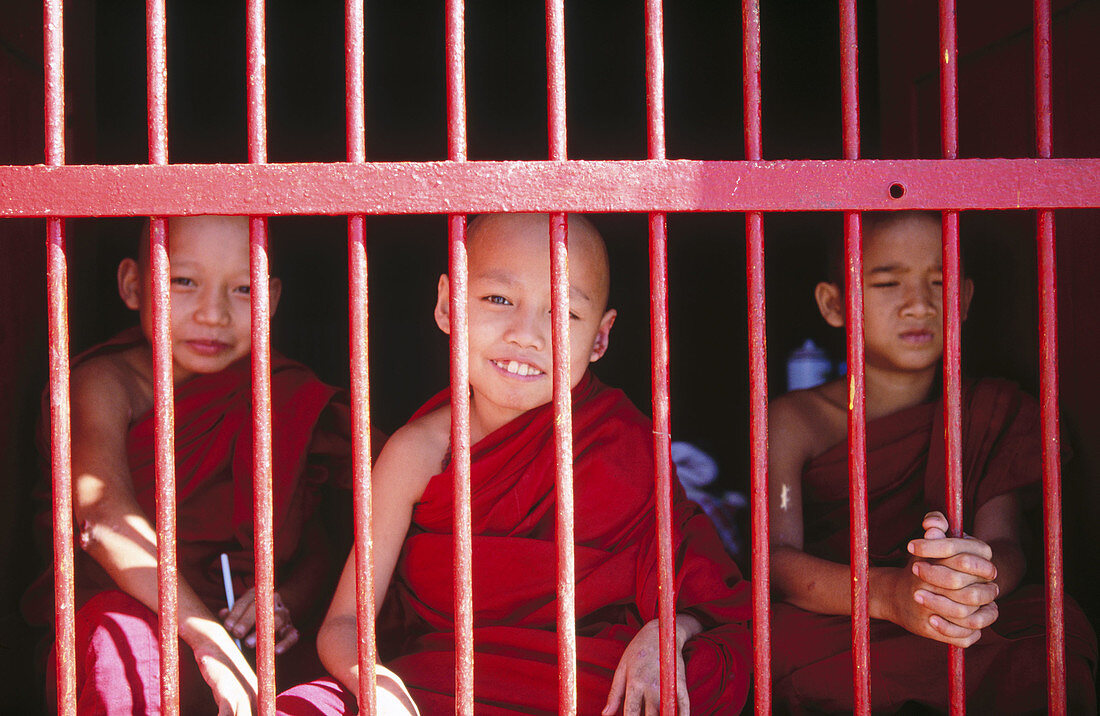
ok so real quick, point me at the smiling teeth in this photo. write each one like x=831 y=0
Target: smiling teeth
x=521 y=369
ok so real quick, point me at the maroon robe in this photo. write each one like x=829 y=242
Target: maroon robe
x=515 y=570
x=214 y=487
x=1006 y=668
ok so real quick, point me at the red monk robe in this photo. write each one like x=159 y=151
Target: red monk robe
x=1006 y=668
x=515 y=570
x=214 y=492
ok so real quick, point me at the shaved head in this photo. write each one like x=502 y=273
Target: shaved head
x=588 y=263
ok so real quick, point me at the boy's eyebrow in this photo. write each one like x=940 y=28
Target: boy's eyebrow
x=895 y=268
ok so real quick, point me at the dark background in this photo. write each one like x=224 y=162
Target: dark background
x=105 y=71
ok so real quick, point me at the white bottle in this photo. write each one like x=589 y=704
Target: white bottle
x=807 y=366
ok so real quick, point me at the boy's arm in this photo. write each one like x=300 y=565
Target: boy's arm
x=818 y=585
x=116 y=533
x=398 y=481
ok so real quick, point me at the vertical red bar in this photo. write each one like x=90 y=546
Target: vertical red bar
x=563 y=411
x=460 y=369
x=857 y=419
x=952 y=371
x=60 y=424
x=758 y=371
x=1048 y=376
x=360 y=378
x=261 y=370
x=163 y=403
x=658 y=326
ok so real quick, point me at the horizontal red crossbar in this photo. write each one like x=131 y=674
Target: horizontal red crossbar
x=581 y=186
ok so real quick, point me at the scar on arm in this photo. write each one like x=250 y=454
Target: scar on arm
x=785 y=497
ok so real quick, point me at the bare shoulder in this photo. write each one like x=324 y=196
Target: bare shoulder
x=111 y=389
x=414 y=454
x=805 y=423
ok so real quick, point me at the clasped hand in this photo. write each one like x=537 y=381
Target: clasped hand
x=240 y=622
x=946 y=591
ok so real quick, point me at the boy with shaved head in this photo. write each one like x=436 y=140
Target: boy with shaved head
x=927 y=590
x=514 y=506
x=113 y=458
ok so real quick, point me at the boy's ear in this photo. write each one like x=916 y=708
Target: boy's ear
x=603 y=336
x=274 y=291
x=443 y=305
x=130 y=283
x=965 y=296
x=830 y=302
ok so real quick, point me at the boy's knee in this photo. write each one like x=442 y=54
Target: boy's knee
x=115 y=610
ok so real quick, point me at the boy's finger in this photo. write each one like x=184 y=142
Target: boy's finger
x=289 y=639
x=949 y=629
x=943 y=606
x=615 y=696
x=949 y=547
x=981 y=618
x=243 y=615
x=943 y=577
x=935 y=519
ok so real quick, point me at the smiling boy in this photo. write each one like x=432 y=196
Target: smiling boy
x=926 y=590
x=113 y=484
x=514 y=506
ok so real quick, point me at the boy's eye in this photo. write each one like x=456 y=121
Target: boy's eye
x=246 y=290
x=498 y=300
x=884 y=284
x=182 y=281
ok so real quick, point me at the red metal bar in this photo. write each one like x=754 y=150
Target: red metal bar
x=163 y=400
x=1048 y=376
x=681 y=185
x=60 y=423
x=563 y=411
x=358 y=313
x=658 y=326
x=261 y=371
x=460 y=369
x=758 y=372
x=857 y=419
x=952 y=387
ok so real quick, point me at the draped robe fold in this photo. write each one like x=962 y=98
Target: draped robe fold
x=1006 y=668
x=515 y=569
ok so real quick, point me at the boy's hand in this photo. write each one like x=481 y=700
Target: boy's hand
x=226 y=672
x=638 y=675
x=240 y=622
x=946 y=591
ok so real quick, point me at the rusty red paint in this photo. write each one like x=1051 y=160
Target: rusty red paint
x=61 y=465
x=460 y=369
x=949 y=134
x=342 y=188
x=460 y=452
x=857 y=418
x=563 y=411
x=165 y=463
x=156 y=81
x=358 y=313
x=563 y=463
x=662 y=456
x=758 y=371
x=261 y=467
x=58 y=316
x=658 y=331
x=1048 y=376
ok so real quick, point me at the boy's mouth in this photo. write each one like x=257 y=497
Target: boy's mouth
x=917 y=337
x=515 y=367
x=207 y=347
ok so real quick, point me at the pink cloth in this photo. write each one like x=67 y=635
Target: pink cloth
x=118 y=661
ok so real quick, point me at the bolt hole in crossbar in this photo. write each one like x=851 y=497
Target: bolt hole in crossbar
x=57 y=191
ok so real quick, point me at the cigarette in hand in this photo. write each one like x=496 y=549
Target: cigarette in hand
x=228 y=580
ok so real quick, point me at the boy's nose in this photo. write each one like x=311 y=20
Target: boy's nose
x=921 y=301
x=213 y=309
x=527 y=330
